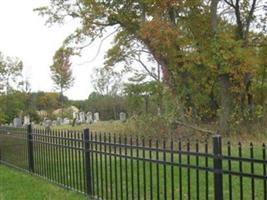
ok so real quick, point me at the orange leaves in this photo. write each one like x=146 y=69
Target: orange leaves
x=160 y=35
x=235 y=60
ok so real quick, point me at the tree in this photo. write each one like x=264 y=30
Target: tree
x=109 y=106
x=139 y=22
x=139 y=97
x=61 y=71
x=12 y=105
x=222 y=66
x=106 y=81
x=10 y=71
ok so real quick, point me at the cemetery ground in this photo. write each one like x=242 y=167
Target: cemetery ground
x=101 y=126
x=20 y=185
x=128 y=128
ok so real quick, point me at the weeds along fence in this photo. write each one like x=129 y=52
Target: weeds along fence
x=106 y=166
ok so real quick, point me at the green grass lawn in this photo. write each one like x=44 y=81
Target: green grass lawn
x=101 y=126
x=19 y=185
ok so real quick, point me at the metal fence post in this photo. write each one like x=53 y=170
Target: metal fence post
x=30 y=148
x=218 y=176
x=87 y=162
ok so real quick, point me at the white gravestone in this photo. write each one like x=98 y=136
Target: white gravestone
x=54 y=123
x=74 y=115
x=82 y=117
x=59 y=121
x=96 y=117
x=26 y=120
x=47 y=123
x=66 y=121
x=122 y=116
x=89 y=118
x=17 y=122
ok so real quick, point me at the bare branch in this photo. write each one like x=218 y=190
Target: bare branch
x=99 y=48
x=146 y=68
x=230 y=3
x=250 y=15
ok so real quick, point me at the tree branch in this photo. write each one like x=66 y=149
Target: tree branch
x=230 y=3
x=250 y=15
x=99 y=47
x=146 y=68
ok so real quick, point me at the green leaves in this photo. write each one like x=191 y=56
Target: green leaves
x=10 y=72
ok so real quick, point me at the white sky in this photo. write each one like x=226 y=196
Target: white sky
x=23 y=34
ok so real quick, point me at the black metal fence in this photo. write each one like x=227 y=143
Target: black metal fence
x=107 y=166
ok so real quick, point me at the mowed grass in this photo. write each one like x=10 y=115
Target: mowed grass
x=101 y=126
x=23 y=186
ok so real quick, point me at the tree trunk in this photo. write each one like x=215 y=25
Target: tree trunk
x=224 y=80
x=226 y=99
x=214 y=8
x=249 y=98
x=160 y=101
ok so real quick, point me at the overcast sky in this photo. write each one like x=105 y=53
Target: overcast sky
x=24 y=34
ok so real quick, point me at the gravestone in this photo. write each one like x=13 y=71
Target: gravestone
x=122 y=116
x=26 y=120
x=75 y=118
x=82 y=117
x=66 y=121
x=74 y=115
x=96 y=117
x=89 y=118
x=54 y=123
x=59 y=121
x=78 y=122
x=47 y=123
x=17 y=123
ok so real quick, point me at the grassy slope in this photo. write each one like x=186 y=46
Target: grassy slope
x=119 y=127
x=103 y=126
x=18 y=185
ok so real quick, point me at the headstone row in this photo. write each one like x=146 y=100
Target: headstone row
x=80 y=117
x=18 y=122
x=88 y=118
